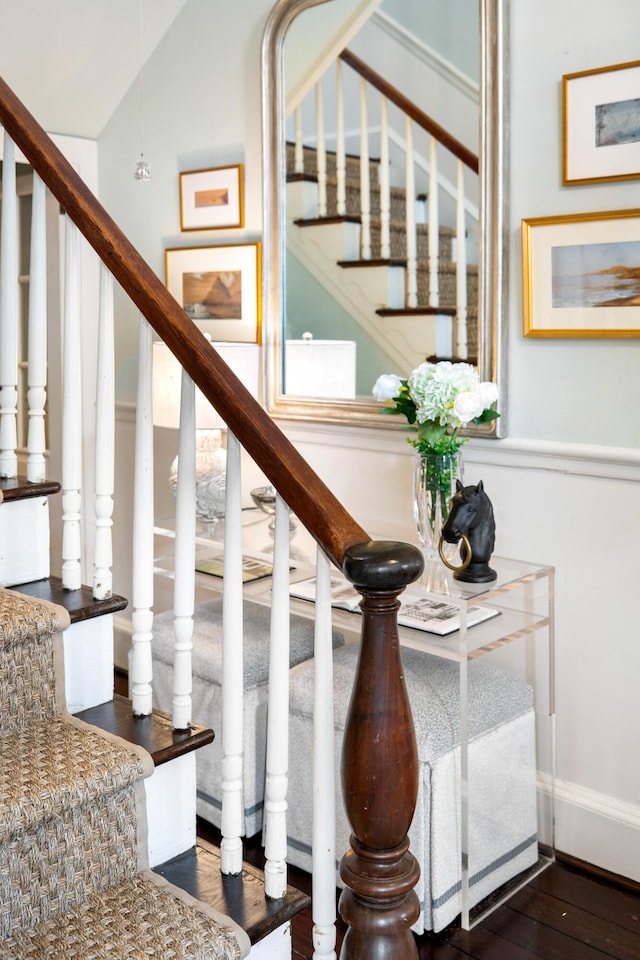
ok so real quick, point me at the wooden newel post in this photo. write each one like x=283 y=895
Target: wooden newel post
x=380 y=766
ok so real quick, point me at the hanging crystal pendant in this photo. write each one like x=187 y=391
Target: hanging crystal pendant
x=142 y=171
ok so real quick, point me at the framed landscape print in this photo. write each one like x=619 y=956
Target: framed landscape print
x=219 y=286
x=581 y=275
x=212 y=199
x=601 y=124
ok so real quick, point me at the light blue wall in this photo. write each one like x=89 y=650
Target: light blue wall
x=202 y=109
x=311 y=308
x=450 y=27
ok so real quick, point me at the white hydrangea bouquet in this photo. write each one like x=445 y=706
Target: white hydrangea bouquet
x=437 y=399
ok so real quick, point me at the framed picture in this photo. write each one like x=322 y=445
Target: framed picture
x=581 y=275
x=212 y=199
x=220 y=287
x=601 y=124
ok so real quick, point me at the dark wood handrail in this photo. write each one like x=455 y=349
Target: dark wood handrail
x=308 y=497
x=422 y=119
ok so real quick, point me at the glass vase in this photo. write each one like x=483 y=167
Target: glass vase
x=434 y=484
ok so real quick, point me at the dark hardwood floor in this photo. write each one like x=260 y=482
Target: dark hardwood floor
x=565 y=913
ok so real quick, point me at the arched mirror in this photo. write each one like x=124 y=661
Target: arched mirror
x=300 y=317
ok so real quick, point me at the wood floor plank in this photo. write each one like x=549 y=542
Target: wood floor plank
x=489 y=945
x=578 y=923
x=537 y=938
x=596 y=896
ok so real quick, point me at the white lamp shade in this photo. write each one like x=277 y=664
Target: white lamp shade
x=242 y=358
x=320 y=368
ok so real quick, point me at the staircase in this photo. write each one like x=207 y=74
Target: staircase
x=75 y=802
x=373 y=290
x=399 y=259
x=82 y=852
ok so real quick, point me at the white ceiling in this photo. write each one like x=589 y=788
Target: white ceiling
x=72 y=61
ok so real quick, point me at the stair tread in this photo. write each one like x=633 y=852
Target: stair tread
x=416 y=311
x=50 y=766
x=155 y=732
x=241 y=897
x=142 y=917
x=19 y=488
x=79 y=603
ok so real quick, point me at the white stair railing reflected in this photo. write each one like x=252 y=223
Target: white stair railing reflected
x=461 y=346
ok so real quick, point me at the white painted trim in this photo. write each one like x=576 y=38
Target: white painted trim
x=576 y=459
x=456 y=78
x=597 y=828
x=317 y=67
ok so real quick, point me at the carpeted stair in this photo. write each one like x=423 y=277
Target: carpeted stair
x=73 y=877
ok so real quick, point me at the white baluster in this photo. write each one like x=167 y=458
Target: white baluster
x=232 y=679
x=142 y=580
x=324 y=815
x=71 y=414
x=298 y=150
x=37 y=357
x=461 y=345
x=105 y=442
x=410 y=216
x=434 y=228
x=9 y=314
x=385 y=189
x=365 y=189
x=321 y=152
x=185 y=557
x=277 y=767
x=341 y=161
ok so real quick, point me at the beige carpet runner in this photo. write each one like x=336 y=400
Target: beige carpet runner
x=73 y=877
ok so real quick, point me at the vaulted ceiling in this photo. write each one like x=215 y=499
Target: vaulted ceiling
x=72 y=61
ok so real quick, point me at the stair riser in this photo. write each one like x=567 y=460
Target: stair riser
x=24 y=540
x=88 y=663
x=171 y=809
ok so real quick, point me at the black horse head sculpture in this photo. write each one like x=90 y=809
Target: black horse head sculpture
x=471 y=518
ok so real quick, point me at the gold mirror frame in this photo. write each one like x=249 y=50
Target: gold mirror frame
x=492 y=280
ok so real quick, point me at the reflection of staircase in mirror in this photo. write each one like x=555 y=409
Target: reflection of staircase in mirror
x=372 y=291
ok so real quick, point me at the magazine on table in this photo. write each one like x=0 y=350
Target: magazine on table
x=416 y=610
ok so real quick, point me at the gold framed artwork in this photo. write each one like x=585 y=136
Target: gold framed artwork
x=581 y=275
x=212 y=199
x=219 y=286
x=601 y=124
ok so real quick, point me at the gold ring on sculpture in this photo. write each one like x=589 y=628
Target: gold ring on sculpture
x=451 y=566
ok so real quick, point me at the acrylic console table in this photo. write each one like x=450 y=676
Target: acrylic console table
x=483 y=702
x=519 y=641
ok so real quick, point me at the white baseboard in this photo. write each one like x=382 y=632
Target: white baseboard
x=599 y=829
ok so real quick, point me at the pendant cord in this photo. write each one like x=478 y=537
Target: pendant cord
x=142 y=171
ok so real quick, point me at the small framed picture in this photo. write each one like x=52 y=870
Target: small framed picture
x=219 y=286
x=581 y=275
x=601 y=124
x=212 y=199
